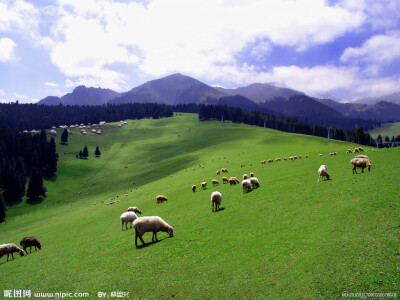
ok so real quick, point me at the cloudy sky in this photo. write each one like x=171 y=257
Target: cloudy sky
x=345 y=48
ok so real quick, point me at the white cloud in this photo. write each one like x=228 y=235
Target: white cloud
x=377 y=49
x=51 y=84
x=19 y=17
x=6 y=49
x=261 y=50
x=2 y=93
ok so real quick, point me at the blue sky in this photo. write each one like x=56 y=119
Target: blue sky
x=346 y=48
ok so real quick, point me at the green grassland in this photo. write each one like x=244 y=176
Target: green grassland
x=291 y=238
x=386 y=129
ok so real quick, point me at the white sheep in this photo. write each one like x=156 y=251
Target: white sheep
x=204 y=185
x=323 y=172
x=252 y=174
x=224 y=180
x=194 y=188
x=361 y=163
x=128 y=217
x=150 y=224
x=216 y=198
x=10 y=249
x=134 y=209
x=244 y=176
x=254 y=182
x=246 y=185
x=215 y=182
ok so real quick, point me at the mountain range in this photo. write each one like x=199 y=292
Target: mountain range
x=268 y=98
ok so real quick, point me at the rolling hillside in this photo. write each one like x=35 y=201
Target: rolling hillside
x=387 y=129
x=291 y=238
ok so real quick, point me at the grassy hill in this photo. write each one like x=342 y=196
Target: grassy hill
x=291 y=238
x=387 y=129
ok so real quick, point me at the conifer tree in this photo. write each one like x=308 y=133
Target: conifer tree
x=80 y=154
x=35 y=187
x=85 y=153
x=64 y=136
x=97 y=153
x=52 y=158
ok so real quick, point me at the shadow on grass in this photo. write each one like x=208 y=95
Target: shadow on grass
x=36 y=200
x=220 y=209
x=151 y=243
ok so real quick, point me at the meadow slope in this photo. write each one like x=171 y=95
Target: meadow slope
x=291 y=238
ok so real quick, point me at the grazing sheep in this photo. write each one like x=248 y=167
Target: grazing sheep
x=10 y=249
x=323 y=172
x=349 y=151
x=203 y=185
x=361 y=163
x=29 y=242
x=224 y=170
x=356 y=150
x=254 y=182
x=362 y=156
x=194 y=188
x=134 y=209
x=270 y=160
x=218 y=172
x=251 y=164
x=277 y=159
x=246 y=185
x=224 y=180
x=251 y=174
x=128 y=217
x=306 y=156
x=150 y=224
x=320 y=155
x=285 y=158
x=233 y=181
x=244 y=176
x=216 y=198
x=295 y=157
x=360 y=149
x=291 y=158
x=215 y=182
x=299 y=156
x=161 y=199
x=263 y=162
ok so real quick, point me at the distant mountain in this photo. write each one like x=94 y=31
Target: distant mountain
x=82 y=95
x=305 y=108
x=394 y=98
x=382 y=111
x=238 y=102
x=173 y=89
x=261 y=91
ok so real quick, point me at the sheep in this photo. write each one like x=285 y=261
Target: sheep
x=224 y=170
x=360 y=149
x=134 y=209
x=291 y=158
x=218 y=172
x=254 y=182
x=246 y=185
x=277 y=159
x=349 y=151
x=203 y=185
x=360 y=163
x=356 y=150
x=285 y=158
x=251 y=164
x=215 y=182
x=251 y=174
x=306 y=156
x=161 y=199
x=362 y=156
x=29 y=242
x=233 y=181
x=244 y=176
x=299 y=156
x=224 y=180
x=216 y=198
x=323 y=172
x=320 y=155
x=194 y=188
x=270 y=161
x=128 y=217
x=295 y=157
x=10 y=249
x=150 y=224
x=263 y=162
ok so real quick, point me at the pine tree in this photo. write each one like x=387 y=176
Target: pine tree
x=85 y=153
x=3 y=208
x=52 y=158
x=80 y=154
x=64 y=136
x=97 y=153
x=35 y=187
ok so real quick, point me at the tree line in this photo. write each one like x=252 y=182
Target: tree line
x=33 y=116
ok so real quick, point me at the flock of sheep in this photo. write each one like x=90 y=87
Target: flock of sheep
x=25 y=243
